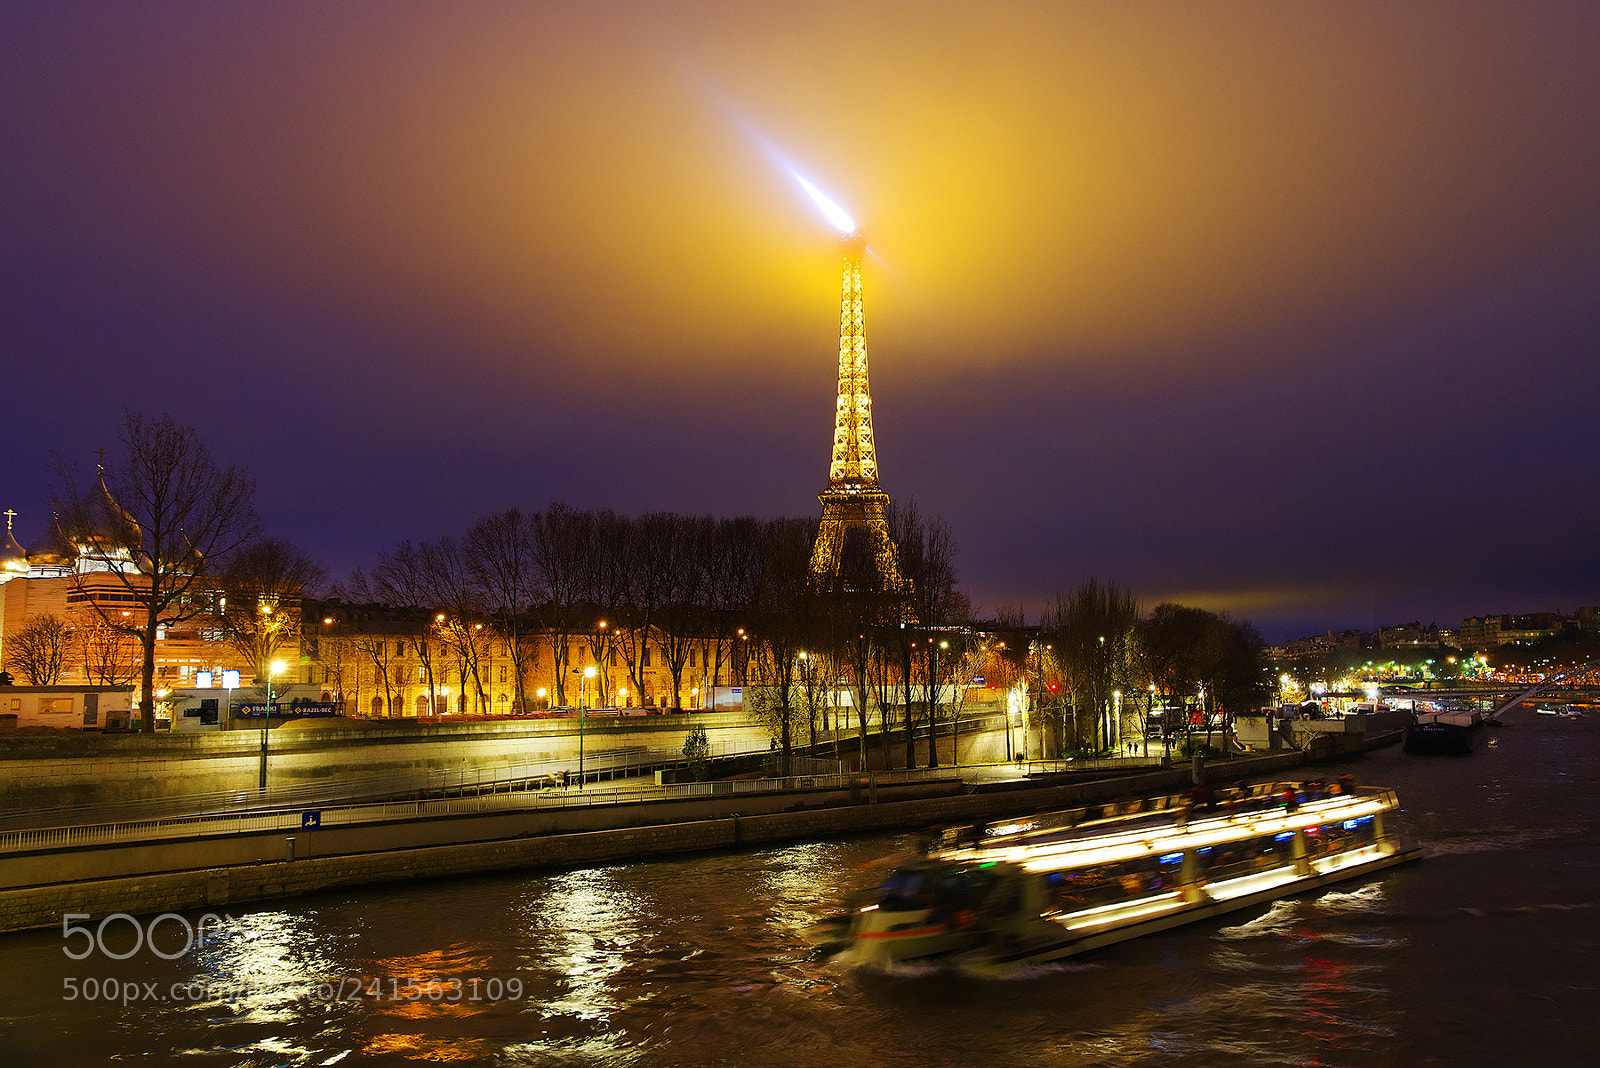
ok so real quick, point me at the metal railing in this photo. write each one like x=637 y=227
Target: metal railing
x=487 y=802
x=510 y=787
x=507 y=776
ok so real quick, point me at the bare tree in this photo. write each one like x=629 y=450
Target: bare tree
x=375 y=650
x=460 y=619
x=941 y=610
x=262 y=588
x=783 y=623
x=175 y=520
x=859 y=608
x=1095 y=639
x=927 y=563
x=499 y=551
x=603 y=590
x=732 y=563
x=682 y=614
x=968 y=659
x=109 y=655
x=562 y=538
x=815 y=679
x=647 y=553
x=1193 y=654
x=39 y=649
x=400 y=580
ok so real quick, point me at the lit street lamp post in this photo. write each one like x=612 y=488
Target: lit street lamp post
x=266 y=720
x=583 y=692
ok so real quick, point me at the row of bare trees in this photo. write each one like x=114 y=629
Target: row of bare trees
x=698 y=598
x=179 y=533
x=1101 y=651
x=615 y=588
x=46 y=646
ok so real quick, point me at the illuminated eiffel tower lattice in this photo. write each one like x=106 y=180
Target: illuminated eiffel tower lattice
x=853 y=499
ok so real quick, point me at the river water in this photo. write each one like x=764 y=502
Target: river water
x=1483 y=953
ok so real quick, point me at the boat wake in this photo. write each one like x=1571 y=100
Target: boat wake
x=1492 y=842
x=1309 y=922
x=1528 y=910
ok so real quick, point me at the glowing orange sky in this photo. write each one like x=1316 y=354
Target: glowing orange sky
x=554 y=195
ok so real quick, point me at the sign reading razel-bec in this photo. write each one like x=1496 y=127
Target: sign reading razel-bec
x=305 y=711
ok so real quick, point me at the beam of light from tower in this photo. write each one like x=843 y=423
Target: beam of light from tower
x=834 y=213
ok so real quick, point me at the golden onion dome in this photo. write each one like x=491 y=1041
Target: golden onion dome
x=105 y=522
x=13 y=557
x=53 y=548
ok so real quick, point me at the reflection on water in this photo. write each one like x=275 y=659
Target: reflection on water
x=700 y=961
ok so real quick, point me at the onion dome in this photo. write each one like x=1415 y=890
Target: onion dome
x=13 y=557
x=53 y=548
x=105 y=523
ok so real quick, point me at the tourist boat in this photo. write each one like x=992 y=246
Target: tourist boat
x=1443 y=732
x=991 y=902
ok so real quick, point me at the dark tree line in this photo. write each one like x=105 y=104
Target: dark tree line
x=698 y=598
x=1111 y=658
x=706 y=595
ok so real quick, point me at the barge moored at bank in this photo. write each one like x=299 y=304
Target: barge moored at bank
x=1443 y=732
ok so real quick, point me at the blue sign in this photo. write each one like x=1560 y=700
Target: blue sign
x=302 y=711
x=977 y=680
x=257 y=711
x=314 y=710
x=310 y=821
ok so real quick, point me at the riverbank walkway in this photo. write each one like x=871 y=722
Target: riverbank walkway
x=250 y=850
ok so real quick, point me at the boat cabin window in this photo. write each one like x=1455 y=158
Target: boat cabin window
x=1339 y=836
x=927 y=887
x=1247 y=857
x=1107 y=884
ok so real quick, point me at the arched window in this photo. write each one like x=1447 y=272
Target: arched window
x=377 y=706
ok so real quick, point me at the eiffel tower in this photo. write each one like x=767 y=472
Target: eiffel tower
x=853 y=499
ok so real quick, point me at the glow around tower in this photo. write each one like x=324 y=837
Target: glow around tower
x=853 y=500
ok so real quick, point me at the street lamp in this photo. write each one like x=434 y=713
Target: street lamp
x=266 y=720
x=583 y=692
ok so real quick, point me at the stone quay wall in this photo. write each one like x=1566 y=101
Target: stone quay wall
x=44 y=906
x=83 y=768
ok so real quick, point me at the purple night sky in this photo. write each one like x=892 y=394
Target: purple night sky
x=1288 y=310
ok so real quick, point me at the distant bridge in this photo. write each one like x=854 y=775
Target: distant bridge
x=1551 y=682
x=1507 y=693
